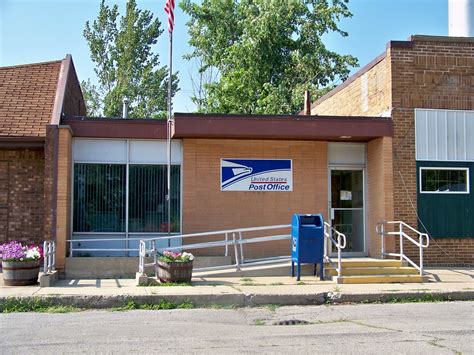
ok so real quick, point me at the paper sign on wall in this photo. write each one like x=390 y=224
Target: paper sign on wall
x=256 y=175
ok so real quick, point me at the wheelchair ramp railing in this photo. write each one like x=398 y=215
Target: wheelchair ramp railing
x=234 y=240
x=49 y=256
x=333 y=239
x=404 y=232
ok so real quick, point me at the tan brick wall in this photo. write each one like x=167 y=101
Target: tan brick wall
x=63 y=210
x=206 y=208
x=368 y=95
x=21 y=195
x=379 y=192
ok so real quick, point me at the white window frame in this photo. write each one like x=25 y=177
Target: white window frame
x=127 y=163
x=468 y=187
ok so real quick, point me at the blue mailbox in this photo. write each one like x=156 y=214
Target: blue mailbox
x=307 y=242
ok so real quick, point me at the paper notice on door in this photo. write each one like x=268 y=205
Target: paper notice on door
x=346 y=195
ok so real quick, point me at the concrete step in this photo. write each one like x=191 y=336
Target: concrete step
x=377 y=270
x=377 y=279
x=348 y=263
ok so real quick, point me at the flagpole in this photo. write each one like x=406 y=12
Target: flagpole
x=169 y=127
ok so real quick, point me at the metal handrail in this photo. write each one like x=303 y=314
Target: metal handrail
x=238 y=230
x=328 y=230
x=380 y=229
x=49 y=256
x=232 y=238
x=162 y=236
x=95 y=240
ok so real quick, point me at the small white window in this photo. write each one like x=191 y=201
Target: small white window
x=444 y=180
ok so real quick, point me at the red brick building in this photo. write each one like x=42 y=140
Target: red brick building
x=390 y=143
x=423 y=75
x=32 y=99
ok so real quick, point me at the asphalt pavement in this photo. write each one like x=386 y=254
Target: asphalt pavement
x=448 y=284
x=411 y=328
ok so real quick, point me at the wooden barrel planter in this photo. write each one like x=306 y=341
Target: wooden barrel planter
x=175 y=272
x=20 y=273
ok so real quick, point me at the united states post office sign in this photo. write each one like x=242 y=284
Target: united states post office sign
x=256 y=175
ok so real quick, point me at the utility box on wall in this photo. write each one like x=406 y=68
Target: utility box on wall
x=307 y=242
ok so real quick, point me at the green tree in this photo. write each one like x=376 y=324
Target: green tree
x=125 y=64
x=266 y=52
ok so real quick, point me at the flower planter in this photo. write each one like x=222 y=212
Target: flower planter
x=20 y=273
x=175 y=272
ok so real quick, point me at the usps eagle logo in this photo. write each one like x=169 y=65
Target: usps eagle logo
x=256 y=175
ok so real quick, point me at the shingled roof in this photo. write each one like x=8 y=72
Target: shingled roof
x=27 y=96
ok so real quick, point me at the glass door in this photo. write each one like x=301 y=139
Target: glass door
x=347 y=207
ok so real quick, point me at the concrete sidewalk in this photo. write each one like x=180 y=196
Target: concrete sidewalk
x=453 y=283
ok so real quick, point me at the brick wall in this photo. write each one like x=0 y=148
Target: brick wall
x=21 y=195
x=379 y=191
x=206 y=208
x=63 y=202
x=49 y=173
x=367 y=94
x=426 y=72
x=432 y=74
x=459 y=252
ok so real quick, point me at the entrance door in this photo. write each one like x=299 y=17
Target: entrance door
x=347 y=208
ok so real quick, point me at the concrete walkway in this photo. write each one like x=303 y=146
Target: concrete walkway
x=453 y=283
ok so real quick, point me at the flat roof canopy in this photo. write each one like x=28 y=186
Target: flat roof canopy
x=218 y=126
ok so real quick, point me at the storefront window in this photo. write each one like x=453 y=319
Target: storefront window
x=147 y=198
x=99 y=198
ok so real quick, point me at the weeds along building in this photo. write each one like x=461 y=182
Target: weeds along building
x=390 y=143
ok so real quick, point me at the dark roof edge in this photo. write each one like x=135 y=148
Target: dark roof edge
x=410 y=42
x=289 y=128
x=118 y=128
x=21 y=142
x=295 y=117
x=351 y=79
x=111 y=119
x=427 y=38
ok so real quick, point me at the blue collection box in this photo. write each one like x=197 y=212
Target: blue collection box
x=307 y=242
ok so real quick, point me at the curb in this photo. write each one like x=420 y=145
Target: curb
x=412 y=296
x=245 y=300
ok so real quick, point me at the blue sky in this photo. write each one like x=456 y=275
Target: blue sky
x=42 y=30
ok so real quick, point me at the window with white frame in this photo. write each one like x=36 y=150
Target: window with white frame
x=444 y=180
x=121 y=185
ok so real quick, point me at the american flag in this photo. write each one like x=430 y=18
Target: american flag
x=169 y=9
